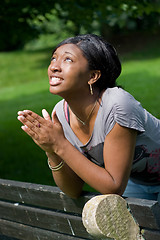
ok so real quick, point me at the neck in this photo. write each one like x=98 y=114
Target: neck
x=83 y=108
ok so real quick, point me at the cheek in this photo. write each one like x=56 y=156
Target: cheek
x=48 y=70
x=81 y=71
x=76 y=75
x=84 y=74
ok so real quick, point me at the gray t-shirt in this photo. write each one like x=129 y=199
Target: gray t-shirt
x=119 y=106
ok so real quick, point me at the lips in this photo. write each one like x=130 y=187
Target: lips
x=54 y=81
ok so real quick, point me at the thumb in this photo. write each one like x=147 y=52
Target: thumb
x=46 y=115
x=54 y=117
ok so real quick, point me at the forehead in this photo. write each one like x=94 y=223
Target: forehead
x=69 y=48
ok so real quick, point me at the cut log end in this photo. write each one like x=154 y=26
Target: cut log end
x=107 y=217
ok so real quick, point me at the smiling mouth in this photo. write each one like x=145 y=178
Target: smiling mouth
x=54 y=81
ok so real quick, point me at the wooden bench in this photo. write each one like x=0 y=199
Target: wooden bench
x=32 y=211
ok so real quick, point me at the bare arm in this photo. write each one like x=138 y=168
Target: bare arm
x=65 y=178
x=42 y=131
x=118 y=155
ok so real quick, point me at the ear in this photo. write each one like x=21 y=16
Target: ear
x=94 y=76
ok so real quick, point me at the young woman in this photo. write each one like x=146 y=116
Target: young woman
x=98 y=134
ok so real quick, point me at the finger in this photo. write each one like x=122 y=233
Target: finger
x=24 y=112
x=46 y=115
x=20 y=113
x=21 y=118
x=27 y=119
x=31 y=117
x=54 y=117
x=31 y=133
x=32 y=126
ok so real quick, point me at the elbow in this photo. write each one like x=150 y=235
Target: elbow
x=117 y=189
x=73 y=195
x=112 y=192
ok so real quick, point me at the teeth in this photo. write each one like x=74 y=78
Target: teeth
x=55 y=79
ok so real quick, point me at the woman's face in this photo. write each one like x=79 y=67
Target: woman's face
x=68 y=71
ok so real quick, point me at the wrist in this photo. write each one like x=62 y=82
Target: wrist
x=51 y=155
x=53 y=159
x=57 y=167
x=61 y=149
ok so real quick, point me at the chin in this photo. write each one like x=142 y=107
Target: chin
x=55 y=91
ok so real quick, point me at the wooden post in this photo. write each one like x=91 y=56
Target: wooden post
x=107 y=217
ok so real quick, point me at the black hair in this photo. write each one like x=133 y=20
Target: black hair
x=101 y=55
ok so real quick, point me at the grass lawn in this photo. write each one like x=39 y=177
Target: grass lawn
x=24 y=85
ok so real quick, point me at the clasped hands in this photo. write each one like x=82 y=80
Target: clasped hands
x=46 y=133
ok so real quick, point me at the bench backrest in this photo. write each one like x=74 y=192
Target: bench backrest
x=33 y=211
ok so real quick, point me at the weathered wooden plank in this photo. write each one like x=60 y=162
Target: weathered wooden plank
x=33 y=194
x=151 y=234
x=146 y=212
x=35 y=207
x=42 y=218
x=2 y=237
x=23 y=232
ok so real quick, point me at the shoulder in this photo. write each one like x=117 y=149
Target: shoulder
x=123 y=108
x=118 y=95
x=119 y=99
x=115 y=94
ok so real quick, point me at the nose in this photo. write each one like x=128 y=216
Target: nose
x=55 y=67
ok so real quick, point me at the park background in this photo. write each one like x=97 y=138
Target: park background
x=29 y=30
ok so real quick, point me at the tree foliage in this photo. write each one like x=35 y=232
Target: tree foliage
x=20 y=20
x=16 y=18
x=111 y=13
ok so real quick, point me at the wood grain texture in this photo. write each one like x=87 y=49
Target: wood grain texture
x=151 y=234
x=41 y=195
x=145 y=212
x=34 y=211
x=108 y=216
x=18 y=231
x=39 y=207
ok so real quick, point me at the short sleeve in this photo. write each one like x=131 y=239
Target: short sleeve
x=128 y=112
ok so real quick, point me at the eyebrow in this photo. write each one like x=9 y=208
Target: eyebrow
x=66 y=52
x=70 y=53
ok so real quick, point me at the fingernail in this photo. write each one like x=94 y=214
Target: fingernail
x=20 y=113
x=21 y=117
x=24 y=127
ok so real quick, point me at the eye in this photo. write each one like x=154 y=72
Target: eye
x=53 y=59
x=68 y=59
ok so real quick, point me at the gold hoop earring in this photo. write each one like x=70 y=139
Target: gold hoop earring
x=91 y=90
